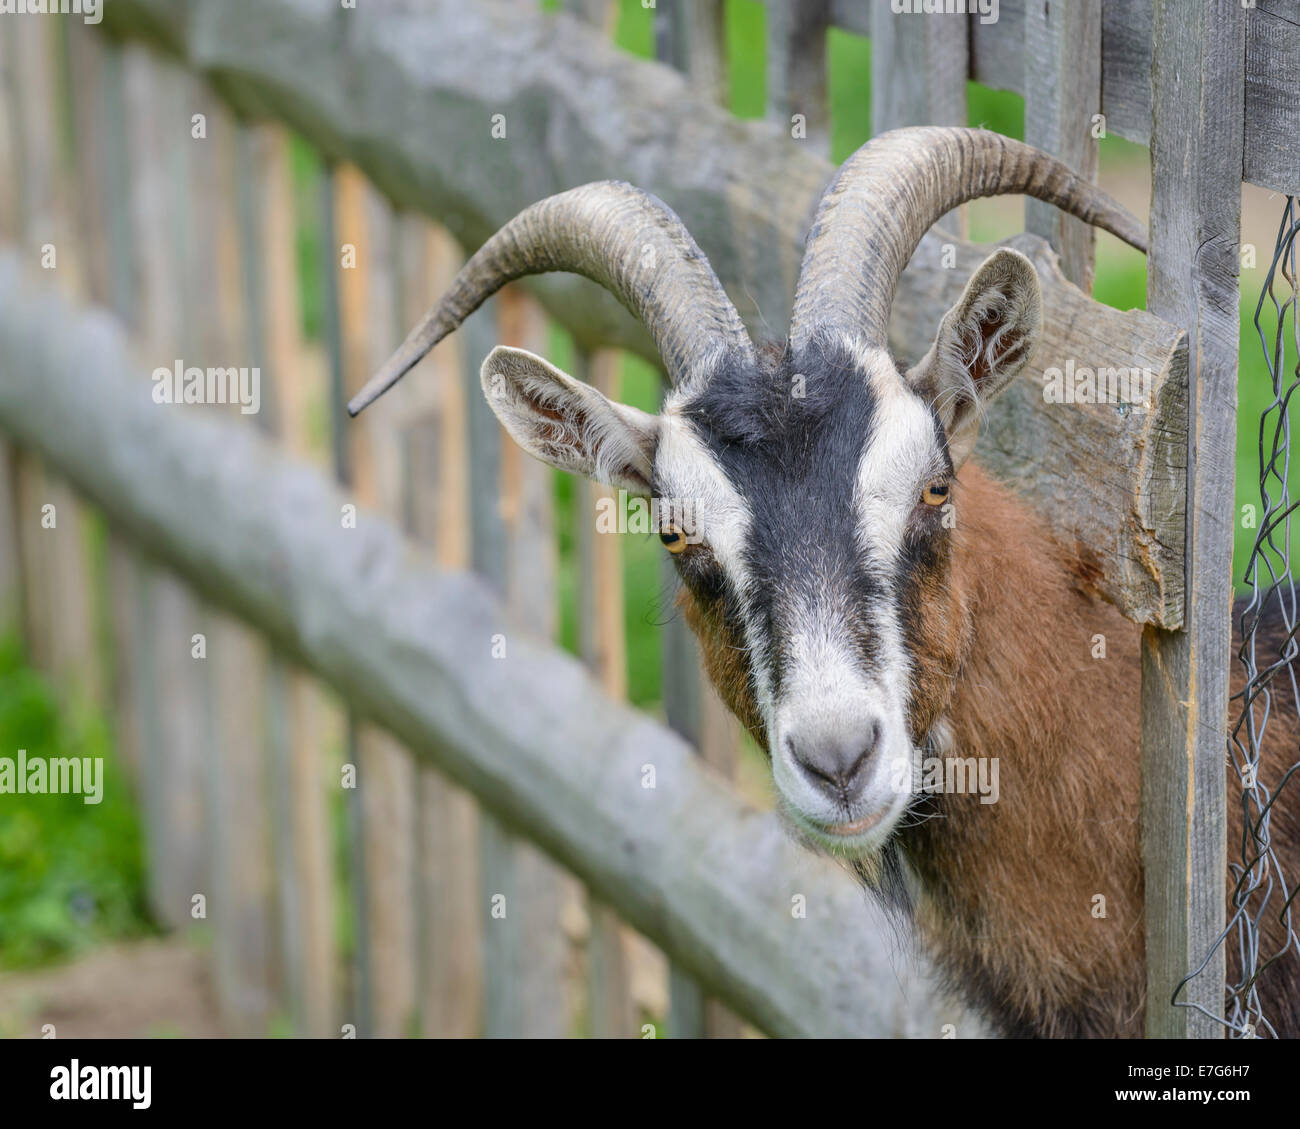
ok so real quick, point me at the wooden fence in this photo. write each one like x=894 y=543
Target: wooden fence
x=156 y=165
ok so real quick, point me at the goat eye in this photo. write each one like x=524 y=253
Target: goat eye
x=935 y=494
x=674 y=540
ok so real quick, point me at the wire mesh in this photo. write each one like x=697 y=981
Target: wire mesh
x=1260 y=930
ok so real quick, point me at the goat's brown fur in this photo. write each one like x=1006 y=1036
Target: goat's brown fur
x=1002 y=642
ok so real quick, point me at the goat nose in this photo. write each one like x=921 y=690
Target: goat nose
x=836 y=768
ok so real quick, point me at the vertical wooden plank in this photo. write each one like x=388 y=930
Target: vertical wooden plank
x=603 y=645
x=169 y=685
x=386 y=772
x=516 y=1001
x=1196 y=150
x=176 y=751
x=436 y=512
x=357 y=1010
x=128 y=740
x=546 y=894
x=691 y=37
x=1062 y=95
x=796 y=68
x=59 y=582
x=112 y=159
x=918 y=69
x=242 y=880
x=918 y=77
x=256 y=273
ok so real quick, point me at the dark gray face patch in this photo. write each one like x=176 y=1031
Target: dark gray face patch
x=790 y=440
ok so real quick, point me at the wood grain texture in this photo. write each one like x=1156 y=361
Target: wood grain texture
x=918 y=76
x=796 y=68
x=1272 y=148
x=602 y=640
x=1062 y=94
x=257 y=307
x=686 y=863
x=997 y=48
x=435 y=512
x=1197 y=99
x=1126 y=67
x=918 y=73
x=542 y=961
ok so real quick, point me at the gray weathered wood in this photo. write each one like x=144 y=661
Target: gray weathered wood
x=690 y=36
x=1197 y=100
x=918 y=69
x=1062 y=94
x=435 y=512
x=256 y=293
x=554 y=759
x=918 y=75
x=527 y=499
x=997 y=54
x=1272 y=114
x=796 y=68
x=1126 y=68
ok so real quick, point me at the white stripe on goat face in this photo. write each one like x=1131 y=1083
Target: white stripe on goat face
x=688 y=472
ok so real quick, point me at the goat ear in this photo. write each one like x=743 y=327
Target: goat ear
x=982 y=344
x=567 y=423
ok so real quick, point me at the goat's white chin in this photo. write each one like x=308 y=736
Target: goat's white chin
x=864 y=835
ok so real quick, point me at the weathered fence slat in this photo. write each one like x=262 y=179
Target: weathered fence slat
x=436 y=512
x=385 y=772
x=1062 y=95
x=545 y=895
x=603 y=646
x=796 y=68
x=1196 y=147
x=257 y=214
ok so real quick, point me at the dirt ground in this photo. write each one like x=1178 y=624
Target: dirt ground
x=146 y=989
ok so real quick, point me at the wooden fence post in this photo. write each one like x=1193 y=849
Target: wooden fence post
x=1062 y=95
x=362 y=222
x=1197 y=99
x=257 y=266
x=602 y=642
x=918 y=77
x=521 y=911
x=436 y=511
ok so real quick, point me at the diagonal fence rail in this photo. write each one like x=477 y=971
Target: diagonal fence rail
x=791 y=944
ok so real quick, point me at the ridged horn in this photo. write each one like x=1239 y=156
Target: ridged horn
x=617 y=235
x=887 y=195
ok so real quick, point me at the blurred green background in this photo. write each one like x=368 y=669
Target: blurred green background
x=72 y=876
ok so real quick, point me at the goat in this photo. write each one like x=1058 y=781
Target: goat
x=844 y=619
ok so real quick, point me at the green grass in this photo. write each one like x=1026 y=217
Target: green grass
x=71 y=874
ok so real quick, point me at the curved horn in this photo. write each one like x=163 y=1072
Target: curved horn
x=887 y=195
x=627 y=240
